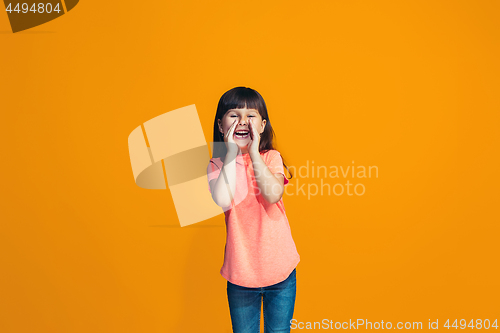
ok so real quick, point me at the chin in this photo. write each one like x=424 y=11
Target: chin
x=242 y=145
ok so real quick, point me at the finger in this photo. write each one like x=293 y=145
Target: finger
x=253 y=129
x=230 y=132
x=250 y=128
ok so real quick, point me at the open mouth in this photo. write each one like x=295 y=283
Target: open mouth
x=242 y=134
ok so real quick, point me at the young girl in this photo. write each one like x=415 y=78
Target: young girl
x=246 y=178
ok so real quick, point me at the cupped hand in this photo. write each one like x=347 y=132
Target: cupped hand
x=253 y=146
x=231 y=146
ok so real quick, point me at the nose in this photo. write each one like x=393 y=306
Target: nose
x=243 y=121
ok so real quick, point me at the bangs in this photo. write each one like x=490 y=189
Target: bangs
x=240 y=98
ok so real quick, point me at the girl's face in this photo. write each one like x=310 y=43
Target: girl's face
x=242 y=116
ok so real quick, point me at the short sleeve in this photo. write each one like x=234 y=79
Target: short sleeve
x=275 y=164
x=213 y=172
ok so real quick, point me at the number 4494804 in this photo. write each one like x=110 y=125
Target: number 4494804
x=35 y=8
x=477 y=324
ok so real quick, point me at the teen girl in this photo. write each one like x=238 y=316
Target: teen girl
x=246 y=178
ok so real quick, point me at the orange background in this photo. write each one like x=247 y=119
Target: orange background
x=411 y=87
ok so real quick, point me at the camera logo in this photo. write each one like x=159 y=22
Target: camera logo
x=170 y=150
x=28 y=14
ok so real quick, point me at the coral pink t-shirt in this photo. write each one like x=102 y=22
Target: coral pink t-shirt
x=260 y=250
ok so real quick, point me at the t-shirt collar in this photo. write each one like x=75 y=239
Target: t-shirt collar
x=242 y=158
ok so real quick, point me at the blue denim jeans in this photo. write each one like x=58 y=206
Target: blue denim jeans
x=279 y=302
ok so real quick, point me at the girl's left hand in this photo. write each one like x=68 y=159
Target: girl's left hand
x=253 y=146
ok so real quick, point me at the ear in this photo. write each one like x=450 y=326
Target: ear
x=263 y=125
x=220 y=126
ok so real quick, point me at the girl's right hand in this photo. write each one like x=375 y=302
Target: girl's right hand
x=231 y=146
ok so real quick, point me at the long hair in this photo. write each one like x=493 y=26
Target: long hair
x=240 y=98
